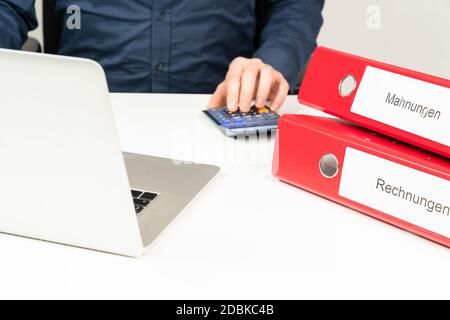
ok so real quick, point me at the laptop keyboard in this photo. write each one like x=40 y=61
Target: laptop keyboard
x=142 y=199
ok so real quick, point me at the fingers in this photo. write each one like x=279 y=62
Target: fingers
x=219 y=98
x=249 y=80
x=266 y=80
x=280 y=94
x=234 y=83
x=234 y=87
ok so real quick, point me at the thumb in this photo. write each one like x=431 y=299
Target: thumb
x=219 y=98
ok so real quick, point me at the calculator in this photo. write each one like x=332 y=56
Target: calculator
x=256 y=121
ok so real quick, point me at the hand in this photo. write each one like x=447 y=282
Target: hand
x=248 y=80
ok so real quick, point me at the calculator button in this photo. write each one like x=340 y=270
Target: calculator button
x=237 y=124
x=251 y=123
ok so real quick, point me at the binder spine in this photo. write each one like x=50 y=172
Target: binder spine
x=363 y=158
x=416 y=101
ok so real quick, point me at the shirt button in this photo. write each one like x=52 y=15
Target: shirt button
x=162 y=15
x=161 y=67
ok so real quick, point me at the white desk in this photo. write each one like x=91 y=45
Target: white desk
x=247 y=236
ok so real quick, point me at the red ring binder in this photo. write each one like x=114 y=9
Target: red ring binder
x=401 y=103
x=376 y=175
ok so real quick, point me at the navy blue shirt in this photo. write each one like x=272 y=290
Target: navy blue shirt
x=176 y=45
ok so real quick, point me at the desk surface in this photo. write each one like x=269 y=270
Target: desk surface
x=247 y=236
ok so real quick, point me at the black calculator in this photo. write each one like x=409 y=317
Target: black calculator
x=257 y=120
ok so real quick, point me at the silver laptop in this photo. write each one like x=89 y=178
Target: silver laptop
x=63 y=177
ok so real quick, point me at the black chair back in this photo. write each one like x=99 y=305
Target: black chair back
x=51 y=26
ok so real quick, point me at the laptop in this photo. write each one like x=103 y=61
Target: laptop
x=63 y=176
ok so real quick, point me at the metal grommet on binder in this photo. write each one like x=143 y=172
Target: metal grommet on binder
x=347 y=85
x=329 y=166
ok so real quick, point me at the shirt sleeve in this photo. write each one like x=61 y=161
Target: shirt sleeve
x=17 y=17
x=287 y=34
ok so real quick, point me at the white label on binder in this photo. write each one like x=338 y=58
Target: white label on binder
x=399 y=191
x=411 y=105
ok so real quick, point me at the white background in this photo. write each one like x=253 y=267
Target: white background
x=285 y=243
x=414 y=33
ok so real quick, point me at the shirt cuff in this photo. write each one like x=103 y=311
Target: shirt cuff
x=281 y=61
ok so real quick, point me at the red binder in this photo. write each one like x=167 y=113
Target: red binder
x=388 y=180
x=404 y=104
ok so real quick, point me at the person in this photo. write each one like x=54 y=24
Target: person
x=239 y=50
